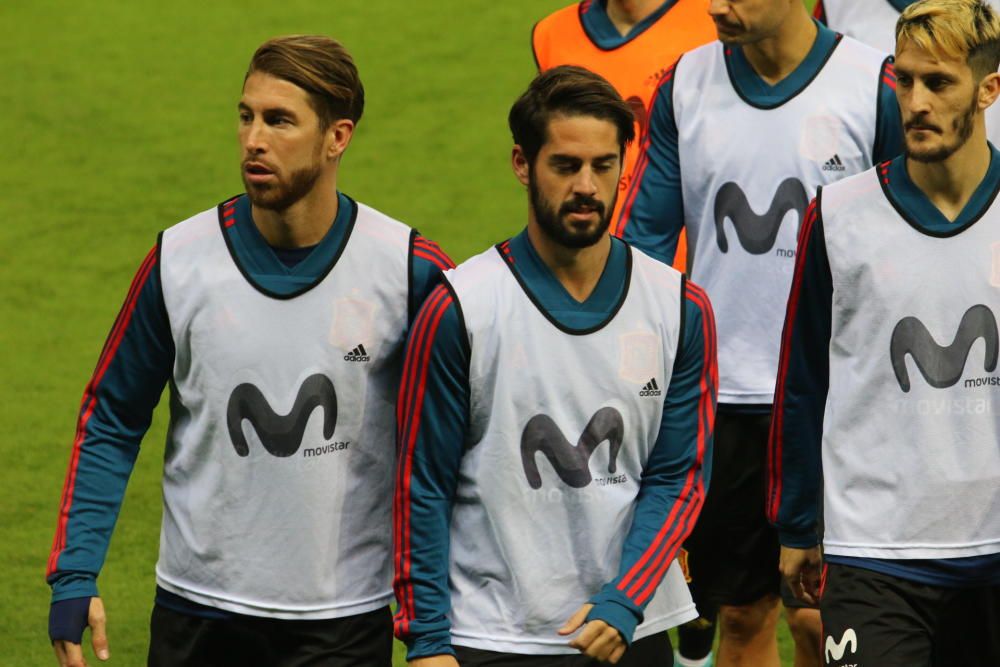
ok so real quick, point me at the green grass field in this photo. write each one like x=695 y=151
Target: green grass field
x=119 y=119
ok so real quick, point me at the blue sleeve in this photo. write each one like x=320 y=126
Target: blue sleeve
x=675 y=479
x=652 y=216
x=889 y=142
x=432 y=420
x=794 y=456
x=427 y=261
x=115 y=413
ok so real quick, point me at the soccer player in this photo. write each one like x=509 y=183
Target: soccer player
x=278 y=318
x=555 y=419
x=742 y=131
x=631 y=43
x=885 y=403
x=874 y=22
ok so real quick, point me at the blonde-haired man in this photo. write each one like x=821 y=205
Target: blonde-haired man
x=900 y=262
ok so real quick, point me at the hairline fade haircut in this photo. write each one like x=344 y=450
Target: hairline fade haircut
x=964 y=29
x=567 y=91
x=319 y=65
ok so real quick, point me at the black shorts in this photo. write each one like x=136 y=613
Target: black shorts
x=180 y=640
x=651 y=651
x=732 y=553
x=872 y=619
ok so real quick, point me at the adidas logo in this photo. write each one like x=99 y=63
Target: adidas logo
x=651 y=389
x=357 y=354
x=834 y=164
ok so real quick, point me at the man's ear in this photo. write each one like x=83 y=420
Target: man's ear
x=989 y=90
x=339 y=137
x=519 y=163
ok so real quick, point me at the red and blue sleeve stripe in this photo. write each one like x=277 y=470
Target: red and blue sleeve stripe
x=819 y=12
x=115 y=412
x=427 y=262
x=889 y=138
x=794 y=447
x=675 y=479
x=432 y=413
x=652 y=216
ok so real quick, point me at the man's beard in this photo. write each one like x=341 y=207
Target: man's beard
x=550 y=220
x=963 y=130
x=278 y=196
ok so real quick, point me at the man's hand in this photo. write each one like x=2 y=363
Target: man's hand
x=801 y=569
x=598 y=639
x=434 y=661
x=70 y=654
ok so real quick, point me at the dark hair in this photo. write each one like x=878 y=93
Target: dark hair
x=570 y=91
x=319 y=65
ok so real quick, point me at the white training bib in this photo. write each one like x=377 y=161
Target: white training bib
x=911 y=433
x=561 y=426
x=277 y=479
x=748 y=174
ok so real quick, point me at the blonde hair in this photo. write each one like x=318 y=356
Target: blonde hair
x=967 y=29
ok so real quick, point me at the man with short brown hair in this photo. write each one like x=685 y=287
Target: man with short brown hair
x=278 y=319
x=556 y=415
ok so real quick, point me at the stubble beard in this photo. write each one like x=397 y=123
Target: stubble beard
x=279 y=196
x=550 y=220
x=963 y=130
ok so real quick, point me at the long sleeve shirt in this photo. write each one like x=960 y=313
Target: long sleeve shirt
x=434 y=409
x=137 y=363
x=803 y=382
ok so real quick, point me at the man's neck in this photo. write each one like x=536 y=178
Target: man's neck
x=302 y=224
x=578 y=270
x=950 y=184
x=626 y=14
x=777 y=56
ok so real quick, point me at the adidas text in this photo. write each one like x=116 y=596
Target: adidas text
x=834 y=164
x=651 y=389
x=357 y=354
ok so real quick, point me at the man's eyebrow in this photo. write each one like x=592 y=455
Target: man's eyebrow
x=243 y=106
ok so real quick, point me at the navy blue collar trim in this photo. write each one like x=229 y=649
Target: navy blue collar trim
x=917 y=210
x=504 y=248
x=603 y=33
x=900 y=5
x=756 y=92
x=230 y=212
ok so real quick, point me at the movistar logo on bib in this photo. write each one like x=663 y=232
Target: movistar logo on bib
x=942 y=365
x=281 y=435
x=756 y=233
x=571 y=462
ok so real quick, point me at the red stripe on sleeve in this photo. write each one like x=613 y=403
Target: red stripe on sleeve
x=418 y=338
x=644 y=577
x=889 y=82
x=89 y=403
x=410 y=400
x=775 y=440
x=642 y=161
x=439 y=257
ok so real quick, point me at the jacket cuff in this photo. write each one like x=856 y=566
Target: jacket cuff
x=797 y=539
x=617 y=611
x=424 y=646
x=73 y=585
